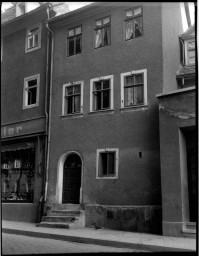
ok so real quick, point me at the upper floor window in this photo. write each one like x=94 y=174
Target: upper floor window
x=72 y=98
x=134 y=88
x=101 y=93
x=133 y=23
x=33 y=38
x=103 y=32
x=31 y=91
x=190 y=52
x=74 y=41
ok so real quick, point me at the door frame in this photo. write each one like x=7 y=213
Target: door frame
x=59 y=183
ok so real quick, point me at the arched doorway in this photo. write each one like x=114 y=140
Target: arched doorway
x=72 y=179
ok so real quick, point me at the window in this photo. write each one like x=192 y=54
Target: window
x=33 y=38
x=134 y=88
x=74 y=41
x=31 y=91
x=103 y=32
x=107 y=163
x=133 y=23
x=72 y=98
x=190 y=52
x=101 y=93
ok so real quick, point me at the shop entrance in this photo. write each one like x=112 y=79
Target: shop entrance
x=191 y=169
x=72 y=179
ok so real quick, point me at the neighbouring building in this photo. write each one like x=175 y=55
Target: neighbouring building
x=178 y=144
x=110 y=60
x=25 y=68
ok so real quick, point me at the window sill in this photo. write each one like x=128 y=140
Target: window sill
x=30 y=106
x=134 y=108
x=107 y=177
x=72 y=116
x=32 y=49
x=101 y=112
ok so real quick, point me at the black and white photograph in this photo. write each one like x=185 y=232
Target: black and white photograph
x=99 y=130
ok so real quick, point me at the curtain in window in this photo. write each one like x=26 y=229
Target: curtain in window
x=106 y=36
x=128 y=96
x=98 y=38
x=77 y=104
x=138 y=27
x=138 y=95
x=129 y=29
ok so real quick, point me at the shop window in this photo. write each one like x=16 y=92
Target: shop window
x=107 y=163
x=17 y=175
x=101 y=93
x=31 y=91
x=72 y=98
x=133 y=88
x=74 y=41
x=33 y=38
x=103 y=32
x=133 y=23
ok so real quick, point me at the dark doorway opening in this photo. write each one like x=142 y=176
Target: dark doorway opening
x=72 y=179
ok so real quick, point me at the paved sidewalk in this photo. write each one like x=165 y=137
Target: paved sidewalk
x=122 y=239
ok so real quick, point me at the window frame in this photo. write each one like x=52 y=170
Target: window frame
x=28 y=49
x=109 y=77
x=25 y=95
x=74 y=36
x=187 y=62
x=116 y=163
x=102 y=27
x=133 y=72
x=81 y=97
x=133 y=18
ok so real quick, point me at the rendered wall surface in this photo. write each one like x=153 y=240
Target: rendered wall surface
x=177 y=112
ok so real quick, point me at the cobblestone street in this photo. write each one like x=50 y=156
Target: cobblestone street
x=18 y=244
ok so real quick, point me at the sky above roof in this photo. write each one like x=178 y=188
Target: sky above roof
x=76 y=5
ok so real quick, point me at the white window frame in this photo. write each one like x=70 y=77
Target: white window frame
x=81 y=98
x=116 y=151
x=123 y=75
x=25 y=94
x=187 y=63
x=110 y=77
x=27 y=49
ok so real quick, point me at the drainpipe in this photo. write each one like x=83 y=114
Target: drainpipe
x=49 y=114
x=186 y=6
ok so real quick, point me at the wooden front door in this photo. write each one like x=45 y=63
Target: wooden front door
x=192 y=174
x=72 y=179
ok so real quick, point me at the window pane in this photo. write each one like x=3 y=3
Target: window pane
x=32 y=83
x=103 y=163
x=71 y=46
x=111 y=163
x=97 y=85
x=129 y=14
x=105 y=84
x=129 y=30
x=32 y=95
x=77 y=104
x=98 y=38
x=69 y=90
x=129 y=80
x=106 y=97
x=128 y=96
x=106 y=20
x=139 y=79
x=138 y=27
x=78 y=44
x=30 y=42
x=99 y=23
x=36 y=40
x=69 y=105
x=77 y=89
x=71 y=32
x=98 y=101
x=137 y=11
x=138 y=95
x=107 y=36
x=34 y=30
x=191 y=45
x=78 y=30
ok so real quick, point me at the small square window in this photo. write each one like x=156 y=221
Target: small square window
x=133 y=23
x=103 y=32
x=107 y=163
x=74 y=41
x=72 y=98
x=33 y=38
x=31 y=91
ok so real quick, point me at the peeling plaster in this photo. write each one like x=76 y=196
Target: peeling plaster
x=180 y=115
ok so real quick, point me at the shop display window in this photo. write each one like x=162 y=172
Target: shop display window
x=17 y=175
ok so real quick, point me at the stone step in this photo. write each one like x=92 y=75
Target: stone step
x=191 y=225
x=72 y=207
x=63 y=213
x=64 y=219
x=53 y=225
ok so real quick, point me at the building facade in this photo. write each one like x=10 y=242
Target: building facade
x=178 y=145
x=109 y=63
x=25 y=68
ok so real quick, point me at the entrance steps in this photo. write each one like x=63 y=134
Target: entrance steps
x=189 y=229
x=64 y=216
